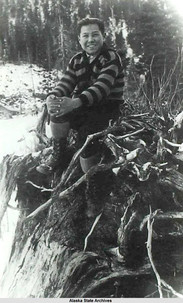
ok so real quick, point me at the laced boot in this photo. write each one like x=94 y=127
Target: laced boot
x=98 y=188
x=55 y=159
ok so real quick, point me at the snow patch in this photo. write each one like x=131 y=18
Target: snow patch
x=18 y=84
x=20 y=79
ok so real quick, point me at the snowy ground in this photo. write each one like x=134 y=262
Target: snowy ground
x=17 y=82
x=19 y=79
x=24 y=86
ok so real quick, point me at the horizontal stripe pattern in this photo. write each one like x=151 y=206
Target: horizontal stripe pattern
x=103 y=79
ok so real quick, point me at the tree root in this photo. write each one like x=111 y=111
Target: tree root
x=160 y=281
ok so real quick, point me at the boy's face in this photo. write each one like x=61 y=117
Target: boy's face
x=91 y=39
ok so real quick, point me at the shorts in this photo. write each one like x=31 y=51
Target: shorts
x=89 y=121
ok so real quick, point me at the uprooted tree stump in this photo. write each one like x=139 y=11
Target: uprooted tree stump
x=59 y=251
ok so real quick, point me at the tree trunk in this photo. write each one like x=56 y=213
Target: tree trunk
x=59 y=251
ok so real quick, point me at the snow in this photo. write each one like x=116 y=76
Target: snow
x=16 y=79
x=15 y=136
x=25 y=86
x=18 y=82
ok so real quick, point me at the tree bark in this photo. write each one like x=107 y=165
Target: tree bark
x=58 y=251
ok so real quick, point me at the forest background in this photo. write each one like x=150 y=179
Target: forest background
x=148 y=34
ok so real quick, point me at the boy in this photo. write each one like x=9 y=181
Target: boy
x=87 y=97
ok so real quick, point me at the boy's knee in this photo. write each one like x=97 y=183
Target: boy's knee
x=88 y=162
x=91 y=156
x=58 y=120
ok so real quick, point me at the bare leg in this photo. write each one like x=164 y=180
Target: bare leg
x=59 y=130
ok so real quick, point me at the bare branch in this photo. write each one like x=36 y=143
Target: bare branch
x=174 y=292
x=67 y=191
x=48 y=203
x=158 y=215
x=38 y=210
x=88 y=140
x=149 y=251
x=172 y=143
x=152 y=81
x=128 y=135
x=91 y=231
x=43 y=189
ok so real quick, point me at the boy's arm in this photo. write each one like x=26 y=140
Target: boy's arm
x=105 y=81
x=67 y=83
x=64 y=88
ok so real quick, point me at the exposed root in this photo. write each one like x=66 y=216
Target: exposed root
x=91 y=231
x=160 y=281
x=40 y=187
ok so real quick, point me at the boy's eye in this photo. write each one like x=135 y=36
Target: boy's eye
x=93 y=35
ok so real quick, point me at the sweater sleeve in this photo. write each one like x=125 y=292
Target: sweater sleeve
x=105 y=81
x=67 y=83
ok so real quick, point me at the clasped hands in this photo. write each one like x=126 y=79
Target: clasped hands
x=59 y=106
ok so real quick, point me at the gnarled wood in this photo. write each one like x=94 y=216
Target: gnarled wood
x=172 y=178
x=48 y=249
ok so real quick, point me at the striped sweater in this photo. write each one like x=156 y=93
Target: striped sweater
x=99 y=81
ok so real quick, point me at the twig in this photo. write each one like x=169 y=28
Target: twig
x=127 y=135
x=123 y=162
x=88 y=140
x=174 y=292
x=172 y=143
x=38 y=210
x=91 y=171
x=68 y=190
x=43 y=189
x=146 y=218
x=91 y=231
x=149 y=250
x=41 y=128
x=128 y=125
x=172 y=215
x=128 y=225
x=148 y=100
x=48 y=203
x=152 y=81
x=138 y=115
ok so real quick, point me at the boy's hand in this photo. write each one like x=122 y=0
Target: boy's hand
x=69 y=104
x=60 y=106
x=53 y=104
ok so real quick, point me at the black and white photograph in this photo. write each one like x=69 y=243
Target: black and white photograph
x=91 y=150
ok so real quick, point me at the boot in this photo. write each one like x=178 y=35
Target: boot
x=98 y=188
x=55 y=159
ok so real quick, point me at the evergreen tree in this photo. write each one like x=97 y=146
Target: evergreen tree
x=154 y=35
x=44 y=31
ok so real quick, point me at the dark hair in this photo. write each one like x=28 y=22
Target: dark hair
x=88 y=21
